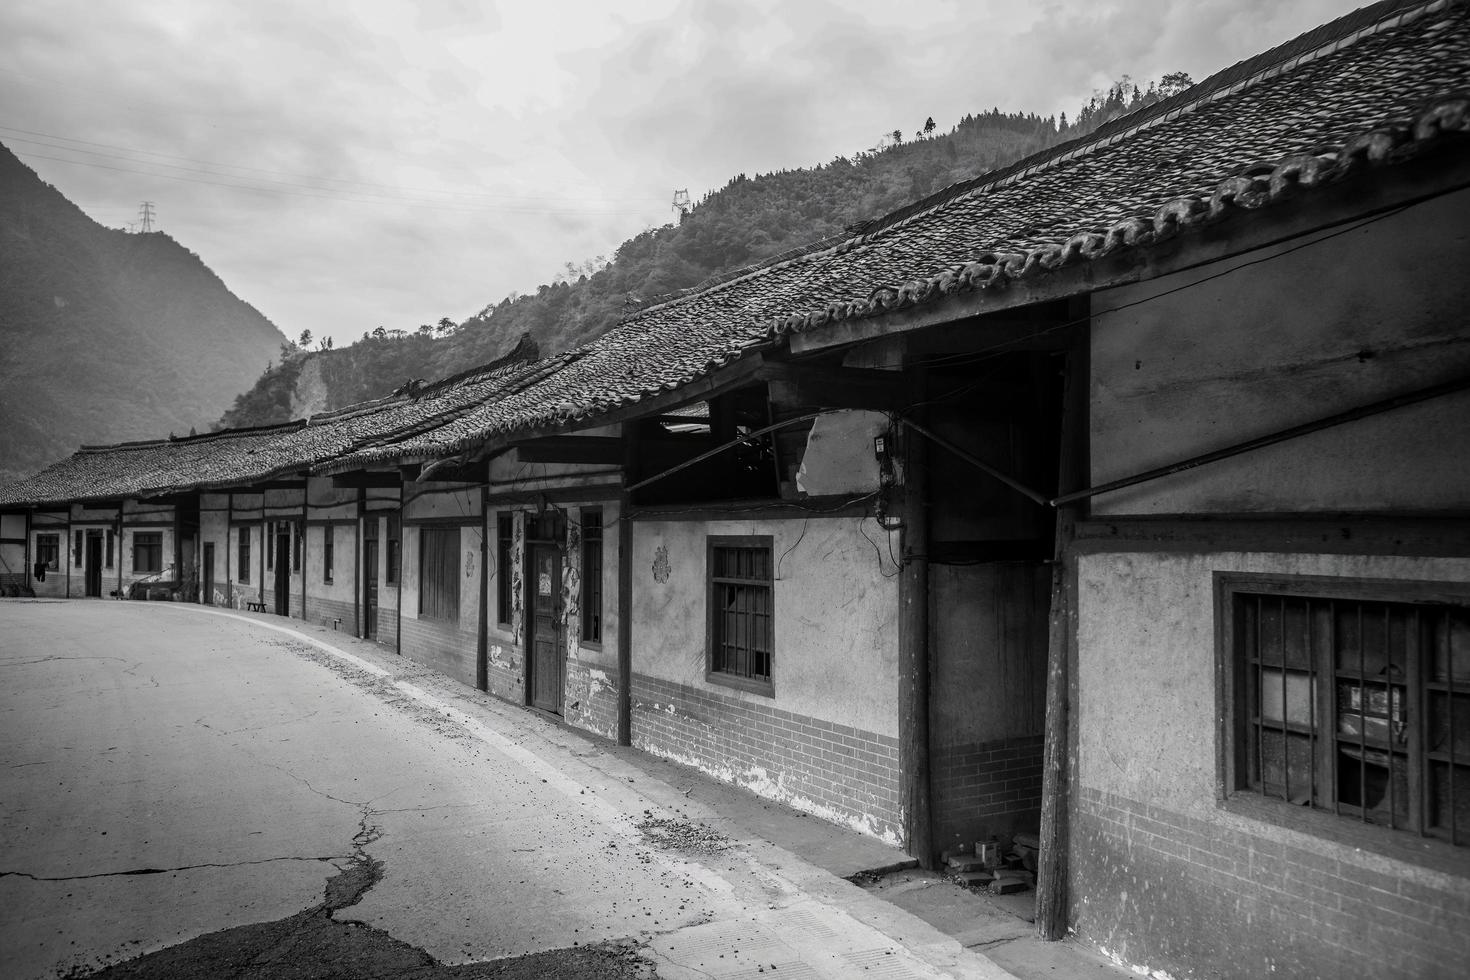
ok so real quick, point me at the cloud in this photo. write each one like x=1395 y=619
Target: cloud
x=342 y=166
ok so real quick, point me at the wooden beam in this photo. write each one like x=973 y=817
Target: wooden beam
x=571 y=449
x=815 y=386
x=362 y=479
x=913 y=647
x=1058 y=749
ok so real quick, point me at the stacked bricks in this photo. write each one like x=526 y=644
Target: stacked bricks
x=843 y=773
x=1195 y=896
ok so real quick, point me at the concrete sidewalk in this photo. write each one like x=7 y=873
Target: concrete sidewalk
x=936 y=927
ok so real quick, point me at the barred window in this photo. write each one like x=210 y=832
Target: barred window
x=243 y=552
x=328 y=533
x=48 y=550
x=1354 y=699
x=591 y=576
x=741 y=621
x=147 y=551
x=504 y=543
x=395 y=547
x=439 y=573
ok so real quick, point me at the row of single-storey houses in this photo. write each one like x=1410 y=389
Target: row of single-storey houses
x=1122 y=494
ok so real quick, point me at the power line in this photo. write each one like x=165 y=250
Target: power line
x=224 y=167
x=145 y=216
x=298 y=192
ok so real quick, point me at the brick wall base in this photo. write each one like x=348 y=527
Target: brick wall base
x=842 y=774
x=986 y=789
x=441 y=646
x=323 y=612
x=1173 y=892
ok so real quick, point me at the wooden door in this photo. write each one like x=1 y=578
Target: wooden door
x=207 y=579
x=94 y=564
x=283 y=572
x=544 y=633
x=370 y=589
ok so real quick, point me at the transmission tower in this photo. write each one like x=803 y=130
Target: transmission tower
x=681 y=202
x=145 y=216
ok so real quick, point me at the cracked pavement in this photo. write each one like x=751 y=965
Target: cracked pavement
x=173 y=778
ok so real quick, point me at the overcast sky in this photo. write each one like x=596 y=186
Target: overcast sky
x=345 y=165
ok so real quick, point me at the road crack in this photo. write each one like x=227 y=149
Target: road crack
x=183 y=867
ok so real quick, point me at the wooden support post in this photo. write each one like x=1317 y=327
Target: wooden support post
x=1056 y=774
x=625 y=620
x=359 y=625
x=913 y=648
x=482 y=637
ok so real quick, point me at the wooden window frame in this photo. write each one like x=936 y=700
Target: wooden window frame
x=269 y=539
x=150 y=540
x=714 y=623
x=298 y=544
x=393 y=550
x=53 y=539
x=504 y=560
x=78 y=543
x=592 y=556
x=111 y=534
x=242 y=555
x=328 y=544
x=1335 y=719
x=439 y=573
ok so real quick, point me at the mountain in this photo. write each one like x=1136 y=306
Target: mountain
x=749 y=220
x=107 y=336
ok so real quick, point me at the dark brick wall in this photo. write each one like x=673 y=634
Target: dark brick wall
x=984 y=789
x=849 y=772
x=442 y=646
x=321 y=612
x=1196 y=898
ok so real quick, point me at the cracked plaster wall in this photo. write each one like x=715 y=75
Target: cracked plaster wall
x=1250 y=352
x=835 y=624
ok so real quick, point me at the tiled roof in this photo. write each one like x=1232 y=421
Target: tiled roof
x=245 y=456
x=1372 y=88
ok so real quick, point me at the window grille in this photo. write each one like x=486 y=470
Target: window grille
x=504 y=543
x=243 y=555
x=48 y=551
x=741 y=624
x=327 y=544
x=592 y=576
x=147 y=552
x=395 y=548
x=1356 y=706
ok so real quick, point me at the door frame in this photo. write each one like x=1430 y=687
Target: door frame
x=283 y=569
x=92 y=553
x=370 y=589
x=550 y=533
x=206 y=575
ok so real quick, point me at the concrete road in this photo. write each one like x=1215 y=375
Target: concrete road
x=167 y=772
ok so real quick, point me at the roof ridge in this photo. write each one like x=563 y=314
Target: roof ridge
x=1320 y=41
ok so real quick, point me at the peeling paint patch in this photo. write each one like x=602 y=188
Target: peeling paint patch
x=661 y=569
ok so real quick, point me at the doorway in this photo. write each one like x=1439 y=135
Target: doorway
x=207 y=595
x=543 y=633
x=94 y=564
x=283 y=569
x=370 y=589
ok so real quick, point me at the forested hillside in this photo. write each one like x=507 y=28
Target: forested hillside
x=748 y=220
x=107 y=336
